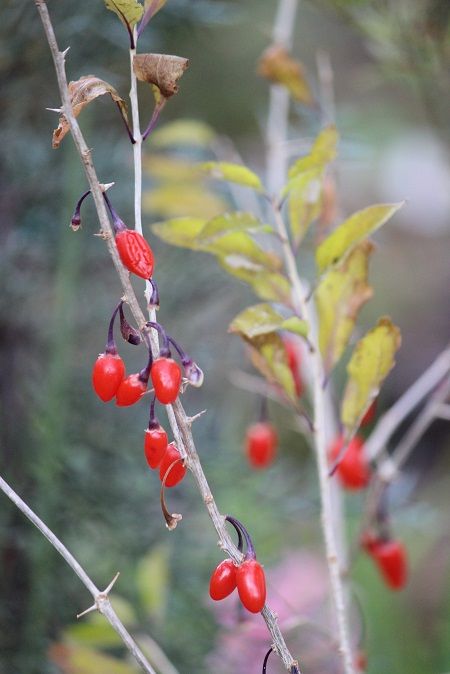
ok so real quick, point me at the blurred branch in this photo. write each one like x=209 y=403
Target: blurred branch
x=101 y=599
x=177 y=416
x=392 y=419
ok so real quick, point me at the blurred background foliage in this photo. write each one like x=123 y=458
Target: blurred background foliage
x=80 y=464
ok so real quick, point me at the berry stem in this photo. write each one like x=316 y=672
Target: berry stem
x=266 y=657
x=153 y=421
x=144 y=374
x=250 y=554
x=240 y=544
x=154 y=118
x=164 y=351
x=118 y=223
x=111 y=343
x=172 y=519
x=128 y=130
x=75 y=220
x=264 y=410
x=185 y=360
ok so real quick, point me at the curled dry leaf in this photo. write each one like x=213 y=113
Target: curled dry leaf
x=82 y=92
x=277 y=65
x=163 y=70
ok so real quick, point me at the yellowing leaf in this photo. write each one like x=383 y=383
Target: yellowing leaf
x=256 y=320
x=278 y=66
x=180 y=231
x=162 y=70
x=170 y=169
x=322 y=153
x=153 y=581
x=371 y=362
x=81 y=660
x=153 y=6
x=230 y=222
x=271 y=286
x=347 y=235
x=268 y=354
x=239 y=249
x=180 y=199
x=128 y=11
x=81 y=93
x=295 y=325
x=339 y=297
x=183 y=133
x=305 y=202
x=234 y=173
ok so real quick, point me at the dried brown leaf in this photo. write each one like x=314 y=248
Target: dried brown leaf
x=163 y=70
x=277 y=65
x=82 y=92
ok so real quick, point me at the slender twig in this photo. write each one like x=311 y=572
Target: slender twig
x=392 y=419
x=177 y=416
x=101 y=599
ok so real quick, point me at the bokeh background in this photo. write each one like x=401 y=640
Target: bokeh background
x=80 y=464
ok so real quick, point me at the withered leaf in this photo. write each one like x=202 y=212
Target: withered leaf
x=163 y=70
x=82 y=92
x=277 y=65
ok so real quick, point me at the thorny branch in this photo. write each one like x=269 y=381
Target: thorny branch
x=179 y=422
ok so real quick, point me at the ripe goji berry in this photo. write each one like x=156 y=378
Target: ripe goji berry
x=135 y=253
x=107 y=374
x=223 y=580
x=166 y=379
x=251 y=585
x=261 y=443
x=178 y=471
x=353 y=470
x=155 y=445
x=391 y=559
x=293 y=357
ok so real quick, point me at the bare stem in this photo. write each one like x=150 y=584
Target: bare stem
x=179 y=422
x=101 y=599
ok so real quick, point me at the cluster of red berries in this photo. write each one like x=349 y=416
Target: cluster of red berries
x=390 y=557
x=248 y=576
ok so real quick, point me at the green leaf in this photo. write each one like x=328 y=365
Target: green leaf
x=339 y=297
x=347 y=235
x=234 y=173
x=322 y=153
x=370 y=364
x=305 y=202
x=295 y=325
x=180 y=231
x=128 y=11
x=183 y=133
x=258 y=319
x=153 y=582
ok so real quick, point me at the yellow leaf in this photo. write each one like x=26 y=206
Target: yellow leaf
x=348 y=234
x=271 y=286
x=278 y=66
x=175 y=200
x=128 y=11
x=305 y=202
x=81 y=660
x=371 y=361
x=258 y=319
x=81 y=93
x=295 y=325
x=234 y=173
x=153 y=582
x=339 y=297
x=230 y=222
x=183 y=133
x=239 y=249
x=323 y=151
x=180 y=231
x=170 y=169
x=154 y=6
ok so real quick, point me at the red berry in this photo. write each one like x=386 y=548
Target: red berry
x=353 y=470
x=135 y=253
x=107 y=374
x=166 y=379
x=223 y=580
x=261 y=442
x=251 y=585
x=370 y=414
x=391 y=559
x=293 y=357
x=360 y=661
x=178 y=471
x=130 y=390
x=155 y=445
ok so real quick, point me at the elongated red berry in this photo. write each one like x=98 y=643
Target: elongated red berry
x=107 y=374
x=391 y=559
x=166 y=379
x=261 y=442
x=223 y=580
x=293 y=357
x=370 y=414
x=353 y=469
x=130 y=390
x=135 y=253
x=178 y=471
x=155 y=445
x=251 y=585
